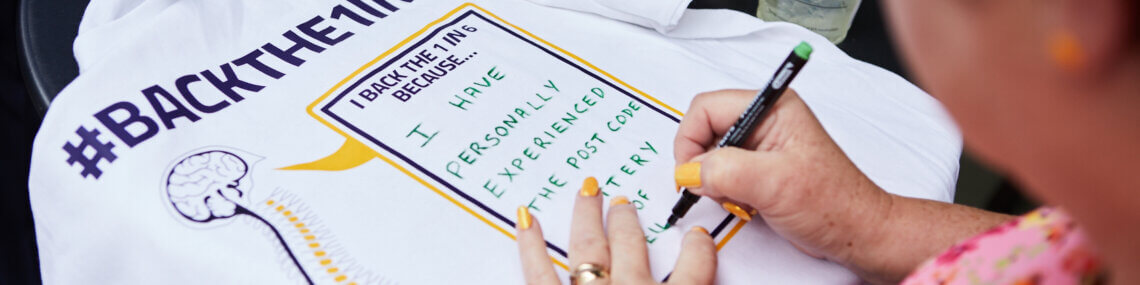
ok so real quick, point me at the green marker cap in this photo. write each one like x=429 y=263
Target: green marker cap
x=803 y=50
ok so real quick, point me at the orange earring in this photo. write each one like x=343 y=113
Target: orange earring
x=1066 y=51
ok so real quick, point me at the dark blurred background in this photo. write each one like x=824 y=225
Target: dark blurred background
x=18 y=124
x=36 y=60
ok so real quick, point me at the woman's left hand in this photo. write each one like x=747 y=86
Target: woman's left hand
x=591 y=244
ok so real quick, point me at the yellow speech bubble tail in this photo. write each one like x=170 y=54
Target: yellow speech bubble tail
x=352 y=154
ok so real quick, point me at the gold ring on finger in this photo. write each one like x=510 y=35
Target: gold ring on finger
x=588 y=272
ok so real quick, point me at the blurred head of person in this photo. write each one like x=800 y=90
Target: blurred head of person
x=1047 y=92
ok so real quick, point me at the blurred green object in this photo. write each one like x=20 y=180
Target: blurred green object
x=829 y=18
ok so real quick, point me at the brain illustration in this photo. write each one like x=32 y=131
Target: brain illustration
x=207 y=185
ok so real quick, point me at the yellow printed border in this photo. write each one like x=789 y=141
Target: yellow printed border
x=312 y=107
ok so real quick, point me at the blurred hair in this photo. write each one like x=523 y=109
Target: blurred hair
x=1135 y=15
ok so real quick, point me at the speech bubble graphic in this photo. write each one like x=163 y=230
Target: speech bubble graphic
x=351 y=154
x=490 y=116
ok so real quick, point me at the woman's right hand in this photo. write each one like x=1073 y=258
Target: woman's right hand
x=793 y=175
x=789 y=171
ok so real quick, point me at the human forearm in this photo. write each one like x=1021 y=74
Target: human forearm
x=912 y=231
x=807 y=190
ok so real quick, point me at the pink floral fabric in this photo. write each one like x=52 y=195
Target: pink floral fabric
x=1042 y=247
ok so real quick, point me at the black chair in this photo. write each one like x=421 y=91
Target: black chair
x=47 y=29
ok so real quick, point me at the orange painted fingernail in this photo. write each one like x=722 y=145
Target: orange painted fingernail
x=524 y=218
x=700 y=229
x=737 y=211
x=688 y=175
x=678 y=188
x=589 y=187
x=619 y=200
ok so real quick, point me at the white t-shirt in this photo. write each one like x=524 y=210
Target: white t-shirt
x=389 y=141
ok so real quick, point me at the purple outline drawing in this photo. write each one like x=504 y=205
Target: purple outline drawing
x=208 y=186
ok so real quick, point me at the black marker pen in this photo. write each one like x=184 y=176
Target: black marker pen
x=752 y=117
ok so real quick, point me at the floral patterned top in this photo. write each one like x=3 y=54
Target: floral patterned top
x=1042 y=247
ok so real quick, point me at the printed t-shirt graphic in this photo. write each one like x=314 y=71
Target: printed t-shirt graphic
x=534 y=123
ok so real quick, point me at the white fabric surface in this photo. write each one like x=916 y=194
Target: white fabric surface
x=377 y=224
x=661 y=15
